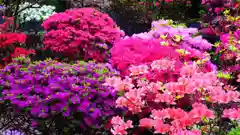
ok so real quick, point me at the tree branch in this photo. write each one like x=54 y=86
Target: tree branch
x=15 y=15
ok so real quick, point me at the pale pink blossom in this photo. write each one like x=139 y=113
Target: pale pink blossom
x=138 y=70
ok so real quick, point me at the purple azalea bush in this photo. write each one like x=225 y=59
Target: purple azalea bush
x=72 y=96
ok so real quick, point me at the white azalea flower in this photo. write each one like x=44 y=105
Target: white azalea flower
x=37 y=13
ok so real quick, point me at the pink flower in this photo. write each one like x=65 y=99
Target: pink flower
x=220 y=96
x=137 y=70
x=218 y=10
x=160 y=127
x=168 y=1
x=160 y=114
x=200 y=111
x=188 y=132
x=118 y=83
x=233 y=114
x=132 y=100
x=238 y=80
x=146 y=122
x=119 y=126
x=189 y=70
x=163 y=64
x=165 y=98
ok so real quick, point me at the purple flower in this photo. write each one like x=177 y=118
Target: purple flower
x=12 y=132
x=96 y=113
x=84 y=106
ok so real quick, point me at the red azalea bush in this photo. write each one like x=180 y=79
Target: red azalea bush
x=85 y=32
x=157 y=106
x=9 y=38
x=9 y=41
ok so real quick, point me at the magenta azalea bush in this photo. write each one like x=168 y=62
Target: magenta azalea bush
x=53 y=90
x=229 y=51
x=227 y=56
x=84 y=32
x=163 y=41
x=217 y=18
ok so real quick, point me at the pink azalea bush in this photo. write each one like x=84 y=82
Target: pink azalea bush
x=81 y=32
x=157 y=105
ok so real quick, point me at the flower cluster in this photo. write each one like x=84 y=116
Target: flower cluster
x=47 y=88
x=168 y=102
x=84 y=31
x=18 y=52
x=120 y=126
x=9 y=38
x=10 y=132
x=35 y=12
x=163 y=41
x=176 y=35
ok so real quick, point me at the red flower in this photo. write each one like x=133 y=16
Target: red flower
x=21 y=52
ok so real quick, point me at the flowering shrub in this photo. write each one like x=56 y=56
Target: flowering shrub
x=227 y=53
x=197 y=103
x=53 y=91
x=85 y=31
x=9 y=40
x=163 y=41
x=35 y=13
x=219 y=16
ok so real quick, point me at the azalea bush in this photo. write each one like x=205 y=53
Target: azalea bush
x=227 y=56
x=59 y=97
x=83 y=32
x=11 y=44
x=219 y=16
x=196 y=103
x=163 y=41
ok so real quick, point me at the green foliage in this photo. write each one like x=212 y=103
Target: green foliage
x=59 y=4
x=129 y=10
x=235 y=131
